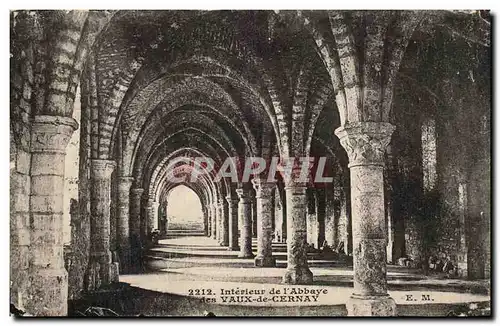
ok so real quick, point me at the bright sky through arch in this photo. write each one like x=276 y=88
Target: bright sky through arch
x=184 y=205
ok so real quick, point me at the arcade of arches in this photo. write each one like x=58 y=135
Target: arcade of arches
x=398 y=102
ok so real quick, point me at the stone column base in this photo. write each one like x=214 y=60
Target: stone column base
x=298 y=275
x=101 y=274
x=246 y=255
x=125 y=260
x=52 y=302
x=234 y=248
x=371 y=306
x=114 y=272
x=223 y=244
x=269 y=261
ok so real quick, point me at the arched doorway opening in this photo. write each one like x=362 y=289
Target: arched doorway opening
x=182 y=213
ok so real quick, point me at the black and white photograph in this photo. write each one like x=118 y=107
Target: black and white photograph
x=250 y=163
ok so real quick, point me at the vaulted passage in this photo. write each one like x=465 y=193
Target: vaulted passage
x=154 y=147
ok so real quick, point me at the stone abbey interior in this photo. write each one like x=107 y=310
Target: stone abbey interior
x=399 y=102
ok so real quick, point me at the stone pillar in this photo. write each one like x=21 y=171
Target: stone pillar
x=233 y=223
x=48 y=291
x=365 y=143
x=265 y=216
x=278 y=217
x=331 y=218
x=219 y=210
x=320 y=213
x=135 y=227
x=150 y=217
x=312 y=219
x=163 y=219
x=298 y=271
x=245 y=217
x=113 y=219
x=156 y=216
x=224 y=223
x=101 y=269
x=213 y=216
x=205 y=218
x=208 y=220
x=254 y=216
x=123 y=226
x=144 y=217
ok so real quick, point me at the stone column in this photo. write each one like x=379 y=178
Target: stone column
x=150 y=217
x=218 y=210
x=101 y=269
x=205 y=219
x=48 y=291
x=163 y=219
x=298 y=271
x=331 y=218
x=265 y=215
x=224 y=223
x=278 y=217
x=144 y=217
x=254 y=216
x=233 y=223
x=365 y=143
x=245 y=217
x=156 y=216
x=320 y=213
x=213 y=216
x=135 y=227
x=123 y=226
x=209 y=220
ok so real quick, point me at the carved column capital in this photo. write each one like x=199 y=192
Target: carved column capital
x=243 y=195
x=263 y=188
x=51 y=134
x=102 y=169
x=365 y=142
x=137 y=191
x=296 y=189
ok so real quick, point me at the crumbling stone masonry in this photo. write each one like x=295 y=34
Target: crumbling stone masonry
x=398 y=102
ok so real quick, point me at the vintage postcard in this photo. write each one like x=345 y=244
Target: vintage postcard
x=250 y=163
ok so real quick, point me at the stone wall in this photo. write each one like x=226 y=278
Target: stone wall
x=464 y=174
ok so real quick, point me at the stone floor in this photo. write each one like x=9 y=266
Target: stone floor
x=197 y=270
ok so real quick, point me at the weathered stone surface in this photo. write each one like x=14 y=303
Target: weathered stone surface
x=297 y=271
x=163 y=219
x=382 y=306
x=135 y=228
x=101 y=271
x=233 y=223
x=223 y=216
x=48 y=290
x=144 y=98
x=123 y=225
x=265 y=216
x=150 y=217
x=213 y=215
x=19 y=238
x=245 y=216
x=365 y=145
